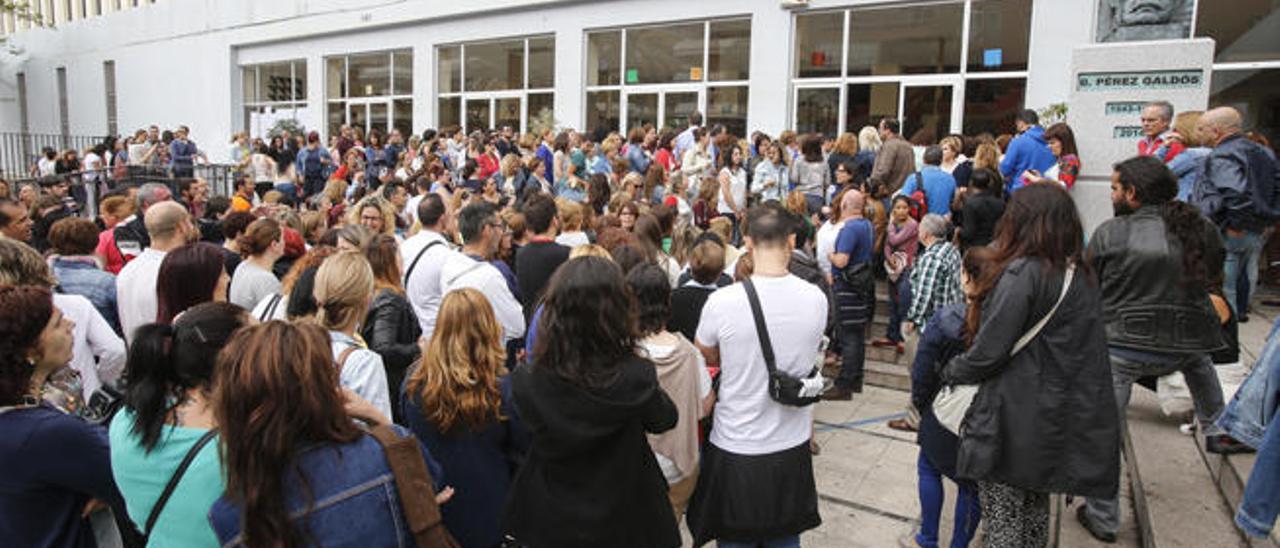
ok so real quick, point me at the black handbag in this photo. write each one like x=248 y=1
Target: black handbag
x=783 y=388
x=860 y=277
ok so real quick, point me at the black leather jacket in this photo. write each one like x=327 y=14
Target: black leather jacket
x=391 y=329
x=1230 y=181
x=1145 y=303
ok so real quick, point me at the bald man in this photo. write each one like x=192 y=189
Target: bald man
x=854 y=289
x=1237 y=189
x=168 y=226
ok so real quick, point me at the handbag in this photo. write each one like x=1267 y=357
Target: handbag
x=783 y=388
x=953 y=402
x=413 y=484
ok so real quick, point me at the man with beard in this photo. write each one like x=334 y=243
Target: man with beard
x=1156 y=263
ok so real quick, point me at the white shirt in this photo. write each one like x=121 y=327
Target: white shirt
x=96 y=352
x=657 y=352
x=250 y=284
x=737 y=187
x=573 y=239
x=825 y=243
x=363 y=372
x=423 y=287
x=260 y=310
x=411 y=209
x=463 y=271
x=136 y=291
x=747 y=420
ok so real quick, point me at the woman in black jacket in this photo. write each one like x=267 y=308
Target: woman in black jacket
x=391 y=329
x=981 y=209
x=587 y=399
x=1044 y=420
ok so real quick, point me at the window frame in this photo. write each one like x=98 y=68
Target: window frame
x=956 y=79
x=702 y=86
x=389 y=99
x=491 y=97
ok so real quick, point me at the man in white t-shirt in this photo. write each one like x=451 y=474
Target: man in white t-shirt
x=755 y=436
x=169 y=226
x=481 y=230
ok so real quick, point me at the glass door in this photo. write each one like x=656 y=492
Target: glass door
x=642 y=108
x=370 y=115
x=677 y=106
x=928 y=111
x=479 y=114
x=507 y=112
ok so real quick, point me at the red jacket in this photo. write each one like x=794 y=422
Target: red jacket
x=1167 y=150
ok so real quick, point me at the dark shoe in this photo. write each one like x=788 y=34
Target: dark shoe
x=1244 y=318
x=838 y=393
x=1082 y=515
x=1222 y=444
x=901 y=349
x=882 y=342
x=902 y=424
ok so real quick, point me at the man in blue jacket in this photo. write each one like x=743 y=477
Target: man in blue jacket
x=1027 y=151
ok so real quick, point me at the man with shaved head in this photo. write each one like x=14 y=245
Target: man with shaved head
x=1237 y=189
x=168 y=226
x=854 y=290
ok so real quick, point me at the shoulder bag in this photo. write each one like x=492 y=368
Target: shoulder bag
x=413 y=485
x=860 y=277
x=783 y=388
x=953 y=402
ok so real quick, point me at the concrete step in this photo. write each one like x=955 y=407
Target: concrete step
x=1066 y=531
x=1176 y=500
x=1231 y=473
x=887 y=375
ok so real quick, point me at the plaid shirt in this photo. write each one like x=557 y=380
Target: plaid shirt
x=935 y=282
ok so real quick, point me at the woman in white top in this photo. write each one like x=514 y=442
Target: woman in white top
x=262 y=168
x=732 y=201
x=344 y=285
x=262 y=244
x=697 y=160
x=825 y=239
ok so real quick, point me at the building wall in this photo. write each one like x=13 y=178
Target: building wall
x=176 y=62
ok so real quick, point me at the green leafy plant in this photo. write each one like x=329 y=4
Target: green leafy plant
x=23 y=10
x=1053 y=114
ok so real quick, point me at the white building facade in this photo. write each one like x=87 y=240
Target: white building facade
x=943 y=66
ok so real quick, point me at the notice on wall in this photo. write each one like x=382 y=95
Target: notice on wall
x=1126 y=132
x=1125 y=108
x=1140 y=80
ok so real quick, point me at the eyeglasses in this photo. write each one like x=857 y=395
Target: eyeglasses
x=373 y=218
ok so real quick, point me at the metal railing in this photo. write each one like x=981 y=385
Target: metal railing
x=19 y=152
x=88 y=186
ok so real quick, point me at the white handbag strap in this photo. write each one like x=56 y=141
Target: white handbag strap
x=1035 y=329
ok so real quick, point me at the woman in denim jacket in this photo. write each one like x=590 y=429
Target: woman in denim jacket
x=298 y=468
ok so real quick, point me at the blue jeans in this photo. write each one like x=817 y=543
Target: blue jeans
x=792 y=541
x=1243 y=252
x=1251 y=410
x=968 y=509
x=899 y=303
x=1261 y=502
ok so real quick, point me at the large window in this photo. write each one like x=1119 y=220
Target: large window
x=940 y=67
x=491 y=84
x=370 y=91
x=660 y=74
x=272 y=91
x=1246 y=69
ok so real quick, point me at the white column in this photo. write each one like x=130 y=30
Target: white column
x=769 y=102
x=1057 y=27
x=570 y=86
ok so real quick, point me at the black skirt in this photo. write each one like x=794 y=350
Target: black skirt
x=746 y=498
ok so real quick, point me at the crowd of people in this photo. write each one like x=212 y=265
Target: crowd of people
x=589 y=339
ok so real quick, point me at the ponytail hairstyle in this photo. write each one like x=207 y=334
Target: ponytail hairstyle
x=275 y=391
x=343 y=286
x=166 y=360
x=259 y=236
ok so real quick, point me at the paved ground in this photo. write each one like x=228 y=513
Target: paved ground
x=866 y=473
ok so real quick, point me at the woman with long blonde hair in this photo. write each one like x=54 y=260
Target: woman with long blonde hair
x=458 y=402
x=343 y=286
